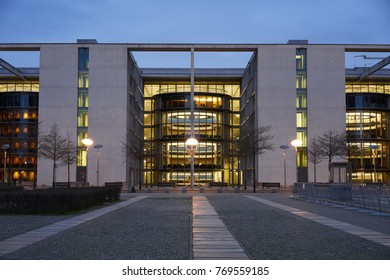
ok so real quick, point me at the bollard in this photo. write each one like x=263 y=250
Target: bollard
x=183 y=190
x=166 y=190
x=201 y=190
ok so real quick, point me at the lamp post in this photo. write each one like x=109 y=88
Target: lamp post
x=97 y=147
x=374 y=148
x=87 y=142
x=191 y=143
x=296 y=143
x=5 y=147
x=284 y=148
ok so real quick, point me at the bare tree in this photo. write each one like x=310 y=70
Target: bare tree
x=350 y=151
x=70 y=154
x=137 y=150
x=313 y=154
x=52 y=146
x=330 y=146
x=233 y=153
x=255 y=142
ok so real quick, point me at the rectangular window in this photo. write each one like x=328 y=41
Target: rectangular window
x=301 y=81
x=82 y=133
x=148 y=119
x=148 y=104
x=301 y=119
x=301 y=59
x=82 y=101
x=83 y=80
x=301 y=100
x=81 y=157
x=83 y=59
x=302 y=135
x=82 y=119
x=302 y=158
x=82 y=105
x=236 y=105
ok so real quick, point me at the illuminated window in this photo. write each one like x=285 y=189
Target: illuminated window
x=82 y=119
x=301 y=100
x=301 y=119
x=83 y=80
x=301 y=81
x=82 y=101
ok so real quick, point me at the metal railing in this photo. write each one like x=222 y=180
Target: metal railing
x=368 y=197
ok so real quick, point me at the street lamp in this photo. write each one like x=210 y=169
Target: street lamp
x=296 y=143
x=87 y=142
x=97 y=147
x=5 y=147
x=284 y=148
x=374 y=148
x=191 y=143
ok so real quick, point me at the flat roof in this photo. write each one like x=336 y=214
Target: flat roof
x=197 y=47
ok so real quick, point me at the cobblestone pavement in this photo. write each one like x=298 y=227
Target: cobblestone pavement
x=160 y=227
x=269 y=233
x=154 y=228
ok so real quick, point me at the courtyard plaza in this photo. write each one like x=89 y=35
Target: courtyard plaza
x=193 y=225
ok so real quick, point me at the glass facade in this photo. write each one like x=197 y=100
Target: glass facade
x=367 y=126
x=19 y=130
x=82 y=111
x=167 y=123
x=301 y=122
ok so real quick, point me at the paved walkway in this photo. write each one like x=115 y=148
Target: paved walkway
x=368 y=234
x=211 y=239
x=22 y=240
x=203 y=226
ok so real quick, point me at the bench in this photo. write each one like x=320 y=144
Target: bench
x=217 y=184
x=113 y=184
x=269 y=185
x=166 y=184
x=72 y=184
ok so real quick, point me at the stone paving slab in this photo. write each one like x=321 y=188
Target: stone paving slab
x=378 y=237
x=211 y=238
x=22 y=240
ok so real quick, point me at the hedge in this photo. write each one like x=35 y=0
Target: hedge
x=56 y=200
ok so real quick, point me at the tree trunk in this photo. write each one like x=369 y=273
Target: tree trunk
x=54 y=173
x=68 y=175
x=315 y=173
x=254 y=172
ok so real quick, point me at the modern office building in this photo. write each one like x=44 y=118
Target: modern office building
x=142 y=117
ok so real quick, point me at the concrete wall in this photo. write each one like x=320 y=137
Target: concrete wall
x=276 y=108
x=107 y=112
x=108 y=93
x=325 y=97
x=57 y=101
x=276 y=104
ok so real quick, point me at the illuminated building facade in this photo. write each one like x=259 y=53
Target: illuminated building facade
x=367 y=125
x=141 y=116
x=167 y=123
x=18 y=128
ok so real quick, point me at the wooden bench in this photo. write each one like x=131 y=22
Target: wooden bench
x=219 y=185
x=270 y=186
x=72 y=184
x=166 y=184
x=113 y=184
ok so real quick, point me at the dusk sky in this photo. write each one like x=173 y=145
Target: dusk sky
x=200 y=21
